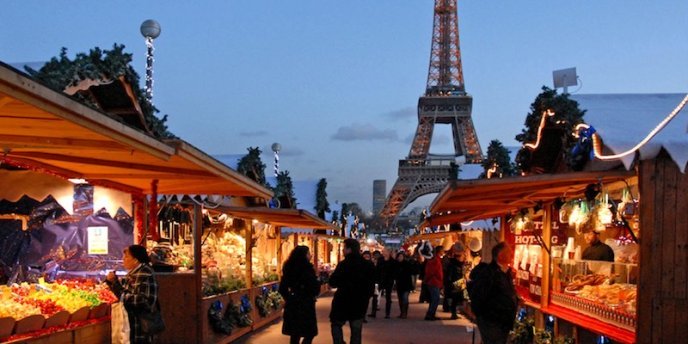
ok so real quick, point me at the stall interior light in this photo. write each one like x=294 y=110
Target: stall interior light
x=78 y=181
x=254 y=221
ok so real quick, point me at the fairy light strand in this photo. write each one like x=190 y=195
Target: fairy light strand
x=545 y=114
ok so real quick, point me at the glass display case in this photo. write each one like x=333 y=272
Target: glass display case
x=604 y=290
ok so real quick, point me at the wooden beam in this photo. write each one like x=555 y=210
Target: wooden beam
x=42 y=141
x=60 y=105
x=110 y=163
x=146 y=176
x=4 y=100
x=41 y=167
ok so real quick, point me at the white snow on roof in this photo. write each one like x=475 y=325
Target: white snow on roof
x=624 y=120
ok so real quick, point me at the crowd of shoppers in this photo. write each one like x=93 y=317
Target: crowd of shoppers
x=362 y=279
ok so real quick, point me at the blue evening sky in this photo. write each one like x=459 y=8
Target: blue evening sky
x=337 y=82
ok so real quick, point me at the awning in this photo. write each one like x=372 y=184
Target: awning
x=466 y=200
x=45 y=130
x=293 y=218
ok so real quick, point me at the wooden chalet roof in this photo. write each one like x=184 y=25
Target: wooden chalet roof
x=465 y=200
x=293 y=218
x=45 y=130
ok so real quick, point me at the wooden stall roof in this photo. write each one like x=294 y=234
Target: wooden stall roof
x=465 y=200
x=46 y=130
x=294 y=218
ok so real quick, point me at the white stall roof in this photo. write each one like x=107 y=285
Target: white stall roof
x=624 y=120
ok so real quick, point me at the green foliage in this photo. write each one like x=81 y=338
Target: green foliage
x=252 y=166
x=567 y=116
x=335 y=215
x=499 y=155
x=284 y=190
x=322 y=206
x=61 y=72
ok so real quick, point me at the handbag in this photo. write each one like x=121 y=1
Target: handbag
x=152 y=322
x=120 y=324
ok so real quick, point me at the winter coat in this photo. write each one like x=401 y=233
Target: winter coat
x=495 y=291
x=433 y=273
x=138 y=291
x=354 y=280
x=388 y=273
x=299 y=288
x=403 y=278
x=454 y=272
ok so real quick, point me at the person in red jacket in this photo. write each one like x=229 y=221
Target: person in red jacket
x=434 y=280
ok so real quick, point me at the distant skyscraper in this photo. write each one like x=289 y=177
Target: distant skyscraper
x=379 y=195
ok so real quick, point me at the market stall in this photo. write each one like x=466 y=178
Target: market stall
x=62 y=236
x=240 y=271
x=550 y=276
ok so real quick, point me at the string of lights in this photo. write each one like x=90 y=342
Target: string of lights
x=545 y=114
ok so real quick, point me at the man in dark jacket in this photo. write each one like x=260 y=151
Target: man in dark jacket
x=494 y=296
x=388 y=272
x=354 y=280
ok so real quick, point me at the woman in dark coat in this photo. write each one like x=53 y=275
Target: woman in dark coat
x=404 y=283
x=138 y=291
x=299 y=287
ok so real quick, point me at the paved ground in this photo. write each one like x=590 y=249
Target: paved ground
x=413 y=330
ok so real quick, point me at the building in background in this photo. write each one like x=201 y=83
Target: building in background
x=379 y=195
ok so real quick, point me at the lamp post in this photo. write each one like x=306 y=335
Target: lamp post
x=150 y=29
x=276 y=148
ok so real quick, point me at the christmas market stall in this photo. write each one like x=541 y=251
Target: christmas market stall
x=77 y=187
x=561 y=224
x=257 y=233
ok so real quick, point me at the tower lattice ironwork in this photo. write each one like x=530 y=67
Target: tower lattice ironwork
x=445 y=102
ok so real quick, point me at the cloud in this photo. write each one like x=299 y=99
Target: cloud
x=364 y=132
x=405 y=113
x=253 y=133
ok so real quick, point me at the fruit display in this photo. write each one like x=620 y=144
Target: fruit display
x=21 y=300
x=13 y=309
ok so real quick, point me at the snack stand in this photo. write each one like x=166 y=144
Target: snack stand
x=638 y=296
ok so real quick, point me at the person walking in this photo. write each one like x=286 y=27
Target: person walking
x=493 y=297
x=354 y=280
x=299 y=287
x=454 y=279
x=388 y=274
x=415 y=271
x=377 y=257
x=434 y=280
x=138 y=291
x=403 y=279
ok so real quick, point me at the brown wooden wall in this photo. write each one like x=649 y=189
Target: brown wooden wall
x=663 y=289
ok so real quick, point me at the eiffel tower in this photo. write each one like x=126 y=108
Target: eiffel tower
x=445 y=102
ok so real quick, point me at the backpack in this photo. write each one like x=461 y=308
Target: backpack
x=478 y=288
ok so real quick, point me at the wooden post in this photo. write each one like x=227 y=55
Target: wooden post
x=546 y=258
x=280 y=254
x=316 y=251
x=153 y=212
x=198 y=235
x=249 y=255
